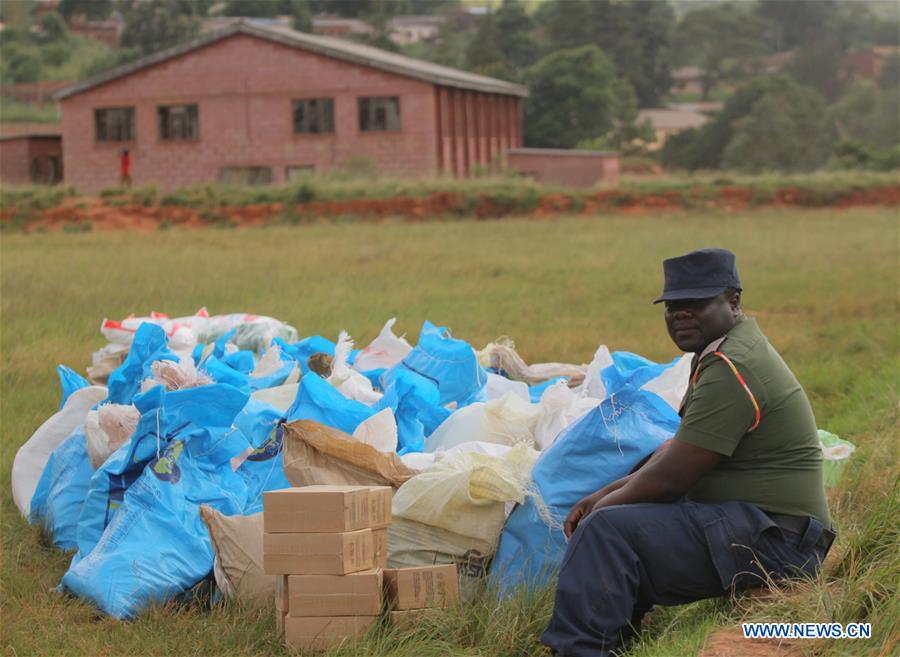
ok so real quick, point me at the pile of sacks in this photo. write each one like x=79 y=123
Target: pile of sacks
x=153 y=472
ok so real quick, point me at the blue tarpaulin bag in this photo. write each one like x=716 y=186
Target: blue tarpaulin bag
x=221 y=370
x=630 y=369
x=320 y=401
x=164 y=416
x=157 y=546
x=69 y=381
x=449 y=363
x=302 y=350
x=61 y=490
x=263 y=468
x=601 y=447
x=416 y=405
x=150 y=345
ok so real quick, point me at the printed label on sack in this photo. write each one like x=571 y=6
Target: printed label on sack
x=166 y=467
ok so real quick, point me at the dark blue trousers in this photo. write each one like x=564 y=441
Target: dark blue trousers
x=622 y=560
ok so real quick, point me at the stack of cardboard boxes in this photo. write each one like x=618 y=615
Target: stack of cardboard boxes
x=327 y=545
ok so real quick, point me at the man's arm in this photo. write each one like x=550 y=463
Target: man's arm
x=586 y=504
x=666 y=478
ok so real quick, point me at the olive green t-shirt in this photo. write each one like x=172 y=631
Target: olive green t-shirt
x=778 y=465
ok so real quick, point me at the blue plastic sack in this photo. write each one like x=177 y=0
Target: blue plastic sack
x=630 y=369
x=302 y=350
x=223 y=371
x=157 y=546
x=263 y=468
x=415 y=402
x=61 y=490
x=537 y=391
x=150 y=345
x=69 y=381
x=208 y=411
x=320 y=401
x=601 y=447
x=449 y=363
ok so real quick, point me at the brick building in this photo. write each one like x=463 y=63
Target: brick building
x=253 y=103
x=31 y=158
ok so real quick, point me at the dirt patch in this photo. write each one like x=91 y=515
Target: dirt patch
x=731 y=643
x=110 y=214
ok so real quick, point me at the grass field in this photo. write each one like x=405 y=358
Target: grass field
x=823 y=284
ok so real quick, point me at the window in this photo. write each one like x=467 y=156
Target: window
x=114 y=123
x=177 y=122
x=379 y=114
x=314 y=115
x=246 y=175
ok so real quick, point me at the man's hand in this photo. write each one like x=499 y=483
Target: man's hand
x=673 y=469
x=579 y=511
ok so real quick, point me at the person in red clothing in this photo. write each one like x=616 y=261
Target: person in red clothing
x=125 y=168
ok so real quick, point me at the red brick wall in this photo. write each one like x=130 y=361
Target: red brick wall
x=559 y=168
x=14 y=161
x=243 y=87
x=17 y=155
x=475 y=128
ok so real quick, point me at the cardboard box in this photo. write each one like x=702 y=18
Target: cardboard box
x=356 y=594
x=422 y=586
x=318 y=554
x=409 y=619
x=279 y=622
x=321 y=632
x=380 y=538
x=380 y=500
x=281 y=593
x=317 y=509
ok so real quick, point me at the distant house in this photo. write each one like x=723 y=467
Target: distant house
x=687 y=80
x=413 y=29
x=667 y=122
x=107 y=31
x=264 y=104
x=341 y=27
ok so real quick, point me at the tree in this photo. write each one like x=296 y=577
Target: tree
x=794 y=23
x=484 y=54
x=53 y=28
x=889 y=78
x=719 y=39
x=90 y=9
x=865 y=114
x=575 y=95
x=515 y=37
x=634 y=34
x=703 y=148
x=782 y=132
x=19 y=63
x=152 y=26
x=302 y=13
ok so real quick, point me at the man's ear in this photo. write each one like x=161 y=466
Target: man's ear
x=735 y=302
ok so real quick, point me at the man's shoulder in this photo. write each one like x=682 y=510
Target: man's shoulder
x=745 y=342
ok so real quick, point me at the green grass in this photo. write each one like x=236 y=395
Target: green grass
x=822 y=283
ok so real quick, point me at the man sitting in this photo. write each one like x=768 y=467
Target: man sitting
x=736 y=498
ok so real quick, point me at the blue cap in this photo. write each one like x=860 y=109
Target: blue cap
x=699 y=275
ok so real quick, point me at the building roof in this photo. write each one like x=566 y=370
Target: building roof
x=687 y=73
x=560 y=152
x=672 y=119
x=348 y=51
